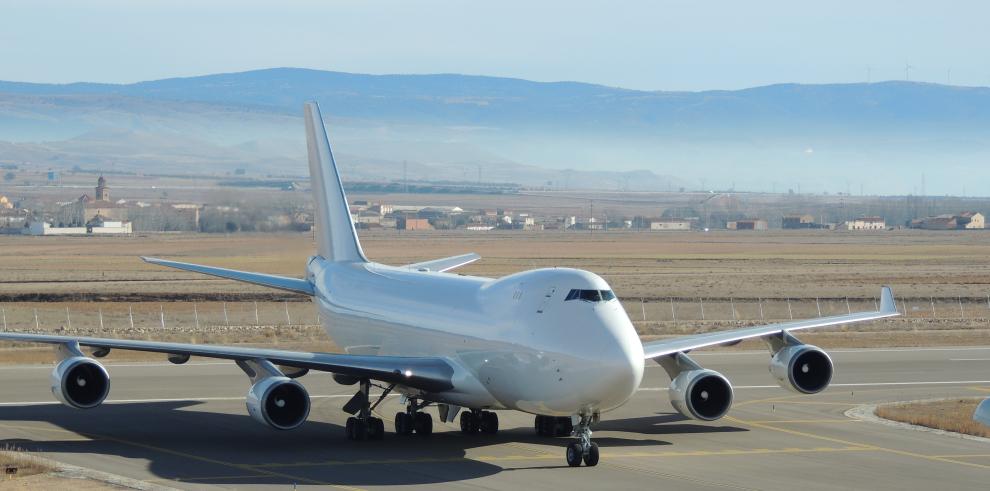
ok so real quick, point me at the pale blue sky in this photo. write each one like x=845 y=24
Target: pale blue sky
x=668 y=45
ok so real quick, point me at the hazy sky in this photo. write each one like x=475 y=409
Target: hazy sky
x=670 y=45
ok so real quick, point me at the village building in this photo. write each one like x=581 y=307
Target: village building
x=670 y=224
x=866 y=223
x=748 y=224
x=967 y=220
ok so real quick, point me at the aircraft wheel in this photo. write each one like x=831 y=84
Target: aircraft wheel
x=489 y=422
x=424 y=424
x=468 y=423
x=403 y=424
x=376 y=429
x=591 y=458
x=574 y=454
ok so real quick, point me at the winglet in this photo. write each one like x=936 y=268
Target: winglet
x=887 y=304
x=336 y=238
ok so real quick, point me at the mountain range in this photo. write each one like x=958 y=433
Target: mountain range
x=830 y=137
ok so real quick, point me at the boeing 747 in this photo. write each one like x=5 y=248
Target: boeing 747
x=553 y=342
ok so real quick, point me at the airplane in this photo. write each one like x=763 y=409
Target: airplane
x=552 y=342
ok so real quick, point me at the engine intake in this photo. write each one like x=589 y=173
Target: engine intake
x=802 y=368
x=279 y=402
x=80 y=382
x=702 y=394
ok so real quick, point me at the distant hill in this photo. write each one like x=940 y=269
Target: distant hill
x=816 y=135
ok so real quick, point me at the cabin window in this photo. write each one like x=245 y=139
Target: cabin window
x=590 y=295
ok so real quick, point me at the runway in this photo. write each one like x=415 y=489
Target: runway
x=186 y=427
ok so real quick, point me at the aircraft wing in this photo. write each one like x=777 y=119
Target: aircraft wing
x=294 y=285
x=445 y=264
x=656 y=349
x=427 y=373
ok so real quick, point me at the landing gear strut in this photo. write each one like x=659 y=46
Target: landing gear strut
x=364 y=426
x=474 y=421
x=414 y=420
x=583 y=449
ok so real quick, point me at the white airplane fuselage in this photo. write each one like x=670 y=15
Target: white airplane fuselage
x=515 y=342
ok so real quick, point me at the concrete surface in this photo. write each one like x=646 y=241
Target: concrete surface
x=186 y=427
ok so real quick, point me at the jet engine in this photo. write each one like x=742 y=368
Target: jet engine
x=279 y=402
x=802 y=368
x=80 y=382
x=701 y=394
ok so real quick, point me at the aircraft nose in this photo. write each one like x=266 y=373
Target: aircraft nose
x=621 y=367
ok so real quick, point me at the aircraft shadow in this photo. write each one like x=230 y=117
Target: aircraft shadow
x=662 y=424
x=180 y=442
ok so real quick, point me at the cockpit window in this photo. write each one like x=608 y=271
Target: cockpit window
x=590 y=295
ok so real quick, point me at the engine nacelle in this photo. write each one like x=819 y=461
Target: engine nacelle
x=80 y=382
x=802 y=368
x=279 y=402
x=702 y=394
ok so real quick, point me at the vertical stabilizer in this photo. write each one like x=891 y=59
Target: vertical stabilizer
x=336 y=239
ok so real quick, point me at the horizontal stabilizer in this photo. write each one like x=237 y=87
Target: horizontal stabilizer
x=445 y=264
x=271 y=281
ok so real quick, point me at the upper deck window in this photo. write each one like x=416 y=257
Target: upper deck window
x=590 y=295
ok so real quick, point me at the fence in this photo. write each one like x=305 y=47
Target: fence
x=99 y=316
x=673 y=309
x=152 y=315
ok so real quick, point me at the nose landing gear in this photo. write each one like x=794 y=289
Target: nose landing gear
x=584 y=449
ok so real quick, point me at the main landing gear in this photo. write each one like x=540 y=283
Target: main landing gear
x=414 y=420
x=553 y=425
x=364 y=426
x=479 y=421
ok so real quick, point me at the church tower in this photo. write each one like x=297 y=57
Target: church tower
x=102 y=193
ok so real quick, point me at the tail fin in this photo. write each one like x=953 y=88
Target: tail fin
x=336 y=239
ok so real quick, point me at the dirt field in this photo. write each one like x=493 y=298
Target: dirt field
x=670 y=283
x=950 y=415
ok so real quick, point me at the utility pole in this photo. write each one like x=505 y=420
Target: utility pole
x=591 y=220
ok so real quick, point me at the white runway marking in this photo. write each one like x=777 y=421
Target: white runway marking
x=969 y=359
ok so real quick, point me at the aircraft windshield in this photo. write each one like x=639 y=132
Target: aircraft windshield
x=590 y=295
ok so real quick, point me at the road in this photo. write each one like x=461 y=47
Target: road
x=186 y=427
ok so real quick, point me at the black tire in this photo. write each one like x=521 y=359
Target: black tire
x=591 y=459
x=538 y=425
x=349 y=428
x=400 y=426
x=468 y=425
x=424 y=424
x=376 y=429
x=360 y=430
x=574 y=454
x=489 y=422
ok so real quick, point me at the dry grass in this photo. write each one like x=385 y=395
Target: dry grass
x=750 y=277
x=15 y=463
x=951 y=415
